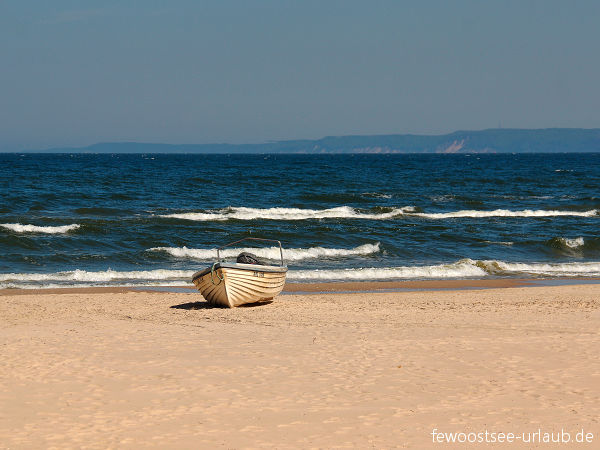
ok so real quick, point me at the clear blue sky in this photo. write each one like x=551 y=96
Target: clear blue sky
x=79 y=72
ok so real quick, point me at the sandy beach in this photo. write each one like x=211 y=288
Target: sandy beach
x=131 y=369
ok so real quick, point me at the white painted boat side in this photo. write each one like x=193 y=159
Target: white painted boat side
x=231 y=286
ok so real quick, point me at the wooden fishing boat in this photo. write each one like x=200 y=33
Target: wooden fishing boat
x=231 y=284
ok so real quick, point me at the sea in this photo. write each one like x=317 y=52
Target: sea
x=76 y=219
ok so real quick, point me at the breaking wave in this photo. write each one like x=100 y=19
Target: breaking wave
x=575 y=269
x=571 y=246
x=347 y=212
x=243 y=213
x=20 y=228
x=573 y=243
x=289 y=254
x=465 y=268
x=80 y=278
x=506 y=213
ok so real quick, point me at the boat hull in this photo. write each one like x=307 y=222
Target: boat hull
x=231 y=285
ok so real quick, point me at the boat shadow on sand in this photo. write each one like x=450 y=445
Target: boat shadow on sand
x=206 y=305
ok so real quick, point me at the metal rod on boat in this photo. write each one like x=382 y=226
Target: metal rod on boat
x=251 y=239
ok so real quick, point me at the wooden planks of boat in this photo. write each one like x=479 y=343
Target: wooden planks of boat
x=234 y=284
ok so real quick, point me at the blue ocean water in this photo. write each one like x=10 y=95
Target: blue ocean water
x=140 y=219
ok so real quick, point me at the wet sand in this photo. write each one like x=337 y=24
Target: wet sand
x=122 y=368
x=334 y=287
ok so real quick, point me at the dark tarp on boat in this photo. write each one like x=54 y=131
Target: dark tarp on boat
x=249 y=258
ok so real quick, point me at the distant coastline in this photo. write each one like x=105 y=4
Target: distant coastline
x=498 y=140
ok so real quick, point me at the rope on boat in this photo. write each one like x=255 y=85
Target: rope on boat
x=212 y=271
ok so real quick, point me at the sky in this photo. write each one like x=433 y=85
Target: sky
x=73 y=73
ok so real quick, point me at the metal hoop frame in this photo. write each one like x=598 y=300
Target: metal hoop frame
x=251 y=239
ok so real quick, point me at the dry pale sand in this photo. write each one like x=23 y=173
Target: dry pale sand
x=363 y=370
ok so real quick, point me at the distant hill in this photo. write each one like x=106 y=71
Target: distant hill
x=550 y=140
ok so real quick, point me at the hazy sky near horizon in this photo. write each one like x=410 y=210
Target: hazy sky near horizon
x=74 y=73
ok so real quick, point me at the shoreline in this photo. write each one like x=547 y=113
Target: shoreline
x=339 y=287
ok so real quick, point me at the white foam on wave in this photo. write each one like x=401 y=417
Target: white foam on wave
x=98 y=277
x=57 y=285
x=243 y=213
x=506 y=213
x=375 y=195
x=462 y=268
x=20 y=228
x=583 y=269
x=573 y=243
x=507 y=243
x=465 y=268
x=289 y=254
x=347 y=212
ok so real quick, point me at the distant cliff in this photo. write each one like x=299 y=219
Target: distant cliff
x=550 y=140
